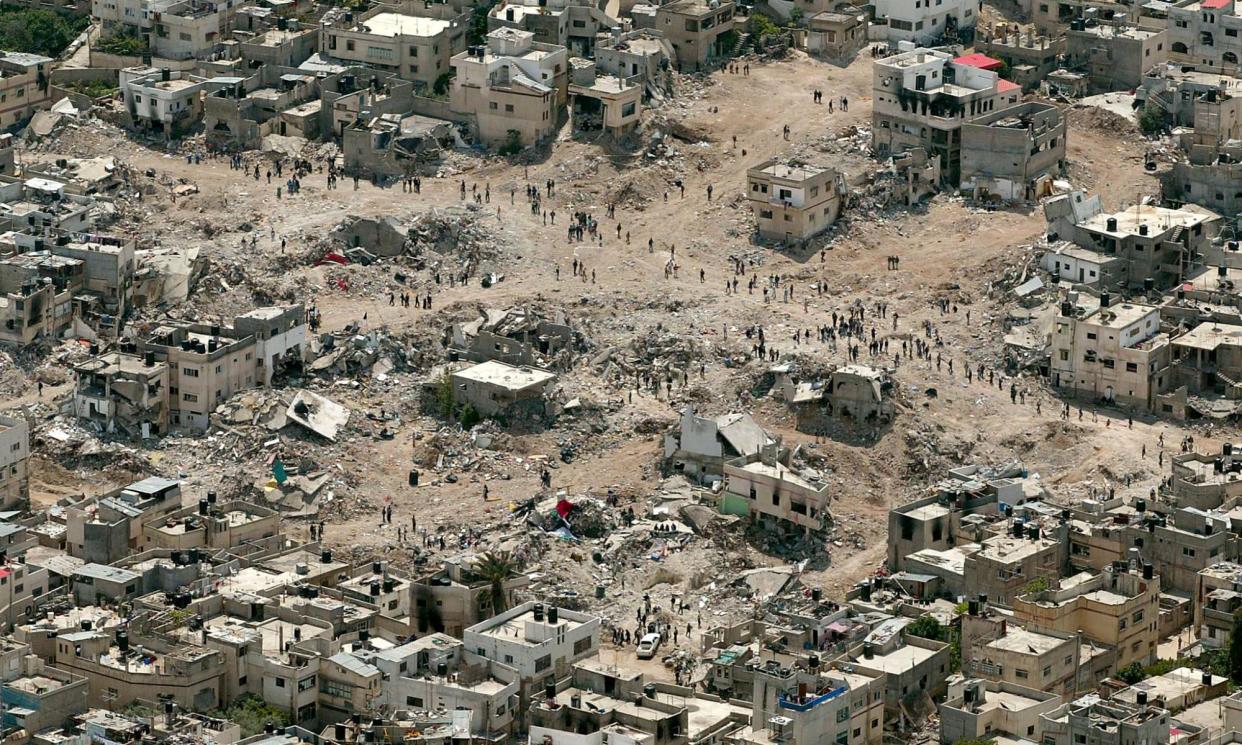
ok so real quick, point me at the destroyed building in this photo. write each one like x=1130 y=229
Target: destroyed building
x=922 y=98
x=392 y=145
x=1014 y=153
x=165 y=101
x=857 y=392
x=123 y=392
x=568 y=23
x=514 y=336
x=643 y=54
x=700 y=447
x=241 y=114
x=763 y=487
x=792 y=203
x=696 y=29
x=602 y=103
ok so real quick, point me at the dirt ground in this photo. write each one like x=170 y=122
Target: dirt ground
x=950 y=249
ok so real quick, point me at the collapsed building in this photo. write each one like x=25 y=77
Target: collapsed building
x=179 y=373
x=515 y=336
x=859 y=393
x=700 y=447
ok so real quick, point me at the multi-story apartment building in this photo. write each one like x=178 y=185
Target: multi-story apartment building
x=922 y=22
x=1183 y=543
x=173 y=29
x=976 y=709
x=794 y=202
x=535 y=639
x=25 y=86
x=1118 y=608
x=1115 y=352
x=1105 y=723
x=1006 y=564
x=818 y=705
x=922 y=98
x=415 y=48
x=1114 y=57
x=696 y=29
x=1204 y=34
x=208 y=364
x=514 y=87
x=14 y=469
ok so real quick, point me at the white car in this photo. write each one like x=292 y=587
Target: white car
x=648 y=645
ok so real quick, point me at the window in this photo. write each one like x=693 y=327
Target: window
x=280 y=682
x=843 y=714
x=582 y=646
x=1021 y=673
x=190 y=372
x=414 y=701
x=1131 y=367
x=492 y=105
x=413 y=51
x=543 y=663
x=508 y=108
x=190 y=397
x=349 y=45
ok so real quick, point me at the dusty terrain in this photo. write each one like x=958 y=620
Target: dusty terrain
x=949 y=249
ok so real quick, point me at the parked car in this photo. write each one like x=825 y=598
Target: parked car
x=648 y=645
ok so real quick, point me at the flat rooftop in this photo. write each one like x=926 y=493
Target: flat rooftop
x=506 y=376
x=514 y=630
x=399 y=24
x=1209 y=336
x=1121 y=315
x=1018 y=639
x=789 y=171
x=1157 y=220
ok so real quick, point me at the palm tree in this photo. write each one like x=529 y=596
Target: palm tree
x=494 y=567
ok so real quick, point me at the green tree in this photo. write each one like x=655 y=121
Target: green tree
x=1132 y=673
x=1039 y=584
x=796 y=16
x=513 y=145
x=444 y=396
x=37 y=31
x=928 y=628
x=1151 y=120
x=123 y=44
x=1235 y=653
x=251 y=713
x=761 y=25
x=495 y=568
x=468 y=417
x=441 y=85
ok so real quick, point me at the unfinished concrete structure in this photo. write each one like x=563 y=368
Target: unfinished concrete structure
x=793 y=202
x=1014 y=153
x=862 y=394
x=240 y=115
x=642 y=54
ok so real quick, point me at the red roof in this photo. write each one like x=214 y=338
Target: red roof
x=1214 y=4
x=981 y=61
x=1004 y=86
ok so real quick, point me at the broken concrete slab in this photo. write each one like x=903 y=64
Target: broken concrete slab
x=318 y=414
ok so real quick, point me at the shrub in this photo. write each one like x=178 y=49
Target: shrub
x=37 y=31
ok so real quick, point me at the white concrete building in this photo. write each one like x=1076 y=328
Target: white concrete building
x=513 y=84
x=167 y=100
x=14 y=453
x=536 y=639
x=924 y=21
